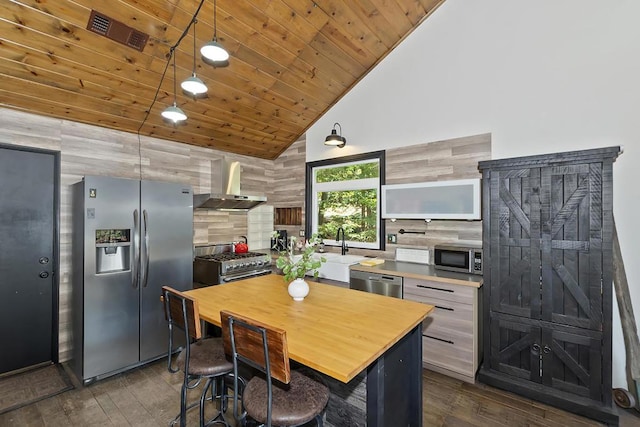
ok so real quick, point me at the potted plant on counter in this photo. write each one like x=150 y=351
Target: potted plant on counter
x=295 y=266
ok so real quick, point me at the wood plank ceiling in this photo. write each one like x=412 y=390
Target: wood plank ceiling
x=290 y=61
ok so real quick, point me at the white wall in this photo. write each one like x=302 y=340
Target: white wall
x=541 y=76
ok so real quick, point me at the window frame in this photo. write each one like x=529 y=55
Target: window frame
x=340 y=161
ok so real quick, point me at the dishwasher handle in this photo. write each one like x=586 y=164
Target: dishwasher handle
x=363 y=275
x=376 y=284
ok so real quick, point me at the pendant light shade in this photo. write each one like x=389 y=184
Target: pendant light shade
x=174 y=113
x=335 y=139
x=213 y=51
x=193 y=84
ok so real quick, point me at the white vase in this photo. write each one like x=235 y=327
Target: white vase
x=298 y=289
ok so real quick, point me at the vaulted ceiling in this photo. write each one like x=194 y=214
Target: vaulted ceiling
x=291 y=60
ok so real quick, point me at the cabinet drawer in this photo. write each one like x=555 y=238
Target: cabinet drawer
x=448 y=356
x=450 y=321
x=415 y=288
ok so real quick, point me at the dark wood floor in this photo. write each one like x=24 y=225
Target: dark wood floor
x=149 y=396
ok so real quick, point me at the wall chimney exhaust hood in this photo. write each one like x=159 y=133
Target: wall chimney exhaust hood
x=228 y=198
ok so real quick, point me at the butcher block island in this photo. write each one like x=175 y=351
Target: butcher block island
x=367 y=347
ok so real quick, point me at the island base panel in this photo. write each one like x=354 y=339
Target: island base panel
x=394 y=384
x=388 y=393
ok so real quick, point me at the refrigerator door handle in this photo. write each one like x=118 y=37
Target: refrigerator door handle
x=145 y=239
x=136 y=251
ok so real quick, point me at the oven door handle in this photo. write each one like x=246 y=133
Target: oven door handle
x=243 y=276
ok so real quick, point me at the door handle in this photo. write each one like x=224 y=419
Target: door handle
x=145 y=239
x=43 y=274
x=136 y=249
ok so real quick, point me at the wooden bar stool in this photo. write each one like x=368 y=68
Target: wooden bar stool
x=282 y=397
x=200 y=359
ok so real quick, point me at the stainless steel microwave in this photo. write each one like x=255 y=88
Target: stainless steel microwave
x=458 y=258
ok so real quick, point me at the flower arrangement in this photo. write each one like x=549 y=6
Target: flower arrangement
x=296 y=266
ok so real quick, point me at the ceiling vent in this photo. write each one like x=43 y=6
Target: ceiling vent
x=116 y=30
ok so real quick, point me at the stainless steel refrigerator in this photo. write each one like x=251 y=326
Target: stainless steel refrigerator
x=130 y=238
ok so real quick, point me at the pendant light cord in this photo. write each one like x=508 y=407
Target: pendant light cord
x=195 y=21
x=175 y=85
x=215 y=20
x=164 y=73
x=166 y=66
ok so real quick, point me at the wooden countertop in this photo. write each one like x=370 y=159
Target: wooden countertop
x=336 y=331
x=421 y=271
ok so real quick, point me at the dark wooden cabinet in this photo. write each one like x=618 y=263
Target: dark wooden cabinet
x=547 y=240
x=288 y=216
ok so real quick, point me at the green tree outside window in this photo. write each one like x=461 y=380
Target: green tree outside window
x=353 y=210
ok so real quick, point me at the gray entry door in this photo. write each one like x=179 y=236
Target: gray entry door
x=27 y=258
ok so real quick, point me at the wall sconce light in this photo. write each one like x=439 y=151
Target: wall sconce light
x=213 y=51
x=174 y=113
x=193 y=84
x=335 y=139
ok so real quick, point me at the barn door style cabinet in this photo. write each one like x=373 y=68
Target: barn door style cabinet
x=547 y=241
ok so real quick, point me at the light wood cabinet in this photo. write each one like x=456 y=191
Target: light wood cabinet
x=451 y=339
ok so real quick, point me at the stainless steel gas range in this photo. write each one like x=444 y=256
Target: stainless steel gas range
x=217 y=264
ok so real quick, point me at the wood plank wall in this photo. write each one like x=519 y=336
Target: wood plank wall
x=433 y=161
x=436 y=161
x=288 y=176
x=90 y=150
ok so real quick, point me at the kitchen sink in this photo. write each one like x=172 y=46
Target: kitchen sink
x=337 y=266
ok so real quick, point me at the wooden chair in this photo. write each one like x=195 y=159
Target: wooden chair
x=200 y=359
x=283 y=397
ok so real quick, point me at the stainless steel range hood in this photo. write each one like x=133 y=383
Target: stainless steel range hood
x=228 y=198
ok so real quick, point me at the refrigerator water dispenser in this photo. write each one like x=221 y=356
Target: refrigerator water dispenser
x=112 y=251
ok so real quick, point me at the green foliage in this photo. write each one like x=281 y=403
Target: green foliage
x=296 y=266
x=353 y=210
x=348 y=173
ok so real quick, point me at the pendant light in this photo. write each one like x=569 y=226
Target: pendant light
x=174 y=113
x=193 y=84
x=213 y=51
x=335 y=139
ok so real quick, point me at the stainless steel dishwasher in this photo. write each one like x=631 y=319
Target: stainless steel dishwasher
x=382 y=284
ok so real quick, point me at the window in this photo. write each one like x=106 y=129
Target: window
x=345 y=192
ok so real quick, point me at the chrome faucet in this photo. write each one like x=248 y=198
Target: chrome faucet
x=345 y=249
